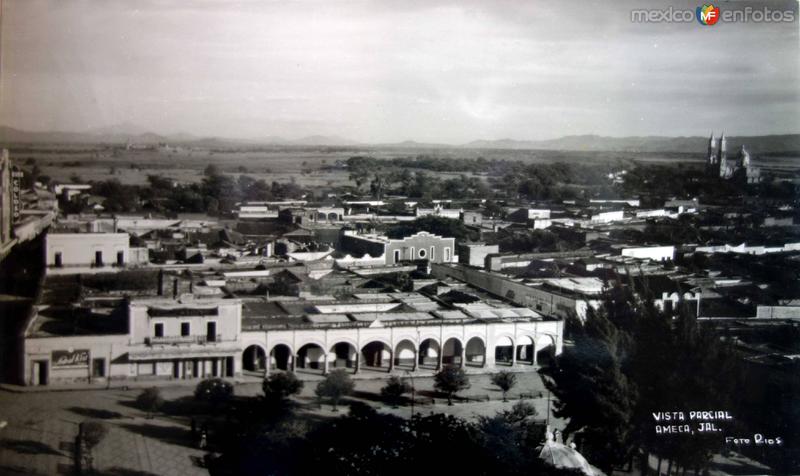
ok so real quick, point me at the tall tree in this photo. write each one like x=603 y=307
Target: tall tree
x=505 y=380
x=451 y=380
x=594 y=393
x=280 y=386
x=394 y=389
x=336 y=385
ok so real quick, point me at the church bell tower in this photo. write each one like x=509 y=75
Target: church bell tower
x=711 y=158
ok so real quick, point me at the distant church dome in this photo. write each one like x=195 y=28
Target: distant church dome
x=744 y=157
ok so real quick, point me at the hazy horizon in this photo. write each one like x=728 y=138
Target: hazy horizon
x=373 y=72
x=138 y=131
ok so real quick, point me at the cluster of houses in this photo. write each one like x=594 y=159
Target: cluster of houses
x=24 y=213
x=309 y=287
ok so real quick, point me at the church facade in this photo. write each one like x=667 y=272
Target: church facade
x=720 y=165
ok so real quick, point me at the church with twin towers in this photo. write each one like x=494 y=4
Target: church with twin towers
x=720 y=165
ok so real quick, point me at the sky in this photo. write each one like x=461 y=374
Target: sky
x=386 y=71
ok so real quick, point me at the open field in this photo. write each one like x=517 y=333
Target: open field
x=309 y=166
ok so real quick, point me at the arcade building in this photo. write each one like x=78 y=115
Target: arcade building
x=136 y=332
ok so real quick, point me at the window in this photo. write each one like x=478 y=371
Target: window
x=396 y=256
x=432 y=254
x=447 y=255
x=98 y=258
x=158 y=330
x=422 y=253
x=211 y=332
x=58 y=260
x=185 y=329
x=411 y=254
x=120 y=258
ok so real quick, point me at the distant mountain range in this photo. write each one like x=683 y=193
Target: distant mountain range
x=761 y=144
x=124 y=133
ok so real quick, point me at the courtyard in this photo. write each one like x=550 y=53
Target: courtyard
x=40 y=430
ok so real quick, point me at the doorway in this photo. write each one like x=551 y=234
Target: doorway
x=40 y=372
x=98 y=368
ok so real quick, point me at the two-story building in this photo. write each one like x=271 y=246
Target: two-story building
x=183 y=339
x=145 y=338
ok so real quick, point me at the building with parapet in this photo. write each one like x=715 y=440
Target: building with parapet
x=420 y=246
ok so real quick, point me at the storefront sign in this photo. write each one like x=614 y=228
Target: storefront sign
x=70 y=358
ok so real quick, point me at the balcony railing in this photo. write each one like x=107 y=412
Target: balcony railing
x=178 y=340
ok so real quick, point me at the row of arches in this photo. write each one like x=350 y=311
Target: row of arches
x=406 y=355
x=322 y=216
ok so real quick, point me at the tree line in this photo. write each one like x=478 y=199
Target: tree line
x=505 y=178
x=215 y=194
x=266 y=435
x=631 y=360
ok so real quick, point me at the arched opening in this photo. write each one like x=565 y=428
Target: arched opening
x=333 y=216
x=311 y=357
x=254 y=359
x=343 y=356
x=376 y=356
x=503 y=351
x=452 y=352
x=280 y=357
x=405 y=354
x=525 y=350
x=396 y=256
x=429 y=351
x=475 y=353
x=321 y=216
x=545 y=350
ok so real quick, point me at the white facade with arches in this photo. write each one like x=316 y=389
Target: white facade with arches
x=410 y=347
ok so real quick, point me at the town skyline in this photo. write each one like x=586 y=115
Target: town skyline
x=373 y=238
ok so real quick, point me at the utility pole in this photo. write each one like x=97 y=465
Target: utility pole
x=413 y=392
x=548 y=407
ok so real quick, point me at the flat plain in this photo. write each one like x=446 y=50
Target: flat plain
x=308 y=166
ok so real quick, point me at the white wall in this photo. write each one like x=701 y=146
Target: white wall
x=78 y=249
x=655 y=253
x=606 y=217
x=227 y=316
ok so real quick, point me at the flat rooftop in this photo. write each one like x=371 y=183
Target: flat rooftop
x=389 y=309
x=103 y=317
